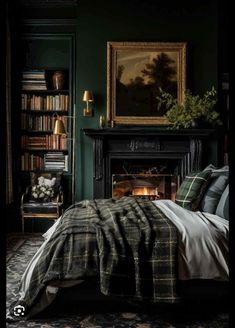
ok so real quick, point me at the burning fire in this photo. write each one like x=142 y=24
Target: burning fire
x=144 y=191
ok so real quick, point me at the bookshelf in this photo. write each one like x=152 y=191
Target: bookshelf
x=42 y=102
x=46 y=92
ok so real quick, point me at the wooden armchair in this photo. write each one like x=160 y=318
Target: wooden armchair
x=51 y=208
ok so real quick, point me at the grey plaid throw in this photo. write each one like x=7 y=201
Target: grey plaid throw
x=129 y=243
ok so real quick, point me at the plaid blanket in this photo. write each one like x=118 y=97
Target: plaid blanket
x=128 y=243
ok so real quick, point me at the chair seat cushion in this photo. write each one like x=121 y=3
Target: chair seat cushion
x=33 y=207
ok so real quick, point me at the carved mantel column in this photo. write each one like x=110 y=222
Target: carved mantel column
x=98 y=164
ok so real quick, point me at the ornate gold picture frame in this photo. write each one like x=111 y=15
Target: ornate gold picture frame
x=135 y=73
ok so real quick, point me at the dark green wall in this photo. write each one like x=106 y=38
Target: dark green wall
x=201 y=23
x=98 y=21
x=194 y=22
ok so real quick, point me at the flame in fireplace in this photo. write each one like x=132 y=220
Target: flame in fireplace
x=144 y=191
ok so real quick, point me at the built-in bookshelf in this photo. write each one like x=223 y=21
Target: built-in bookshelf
x=44 y=93
x=45 y=97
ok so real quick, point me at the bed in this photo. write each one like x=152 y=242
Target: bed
x=134 y=248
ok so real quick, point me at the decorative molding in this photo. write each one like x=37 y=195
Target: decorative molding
x=49 y=3
x=49 y=22
x=144 y=144
x=196 y=154
x=185 y=165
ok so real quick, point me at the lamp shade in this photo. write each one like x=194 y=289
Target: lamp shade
x=59 y=128
x=87 y=96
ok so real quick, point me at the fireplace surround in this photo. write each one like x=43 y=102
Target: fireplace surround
x=174 y=152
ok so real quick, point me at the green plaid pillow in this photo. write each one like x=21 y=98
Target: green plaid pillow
x=191 y=190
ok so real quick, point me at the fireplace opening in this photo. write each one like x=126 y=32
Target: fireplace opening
x=153 y=178
x=151 y=186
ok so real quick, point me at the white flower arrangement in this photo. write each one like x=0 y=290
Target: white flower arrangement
x=42 y=192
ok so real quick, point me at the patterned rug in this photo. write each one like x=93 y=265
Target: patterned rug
x=21 y=248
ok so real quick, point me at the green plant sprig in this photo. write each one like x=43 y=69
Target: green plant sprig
x=193 y=108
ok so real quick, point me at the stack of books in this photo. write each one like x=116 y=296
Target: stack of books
x=31 y=162
x=56 y=161
x=34 y=79
x=38 y=142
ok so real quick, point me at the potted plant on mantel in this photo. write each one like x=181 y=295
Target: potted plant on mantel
x=195 y=111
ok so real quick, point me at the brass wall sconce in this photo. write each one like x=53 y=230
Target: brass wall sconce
x=88 y=98
x=59 y=128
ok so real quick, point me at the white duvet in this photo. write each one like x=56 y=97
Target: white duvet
x=203 y=242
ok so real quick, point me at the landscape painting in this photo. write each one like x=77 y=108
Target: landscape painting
x=136 y=73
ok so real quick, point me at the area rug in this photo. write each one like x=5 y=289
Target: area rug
x=21 y=248
x=15 y=240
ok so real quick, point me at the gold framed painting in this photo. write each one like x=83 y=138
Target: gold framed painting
x=136 y=72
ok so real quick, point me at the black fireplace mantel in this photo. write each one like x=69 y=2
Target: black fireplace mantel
x=148 y=132
x=110 y=144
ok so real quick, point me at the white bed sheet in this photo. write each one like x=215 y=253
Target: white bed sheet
x=203 y=242
x=25 y=280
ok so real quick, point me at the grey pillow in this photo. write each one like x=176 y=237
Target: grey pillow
x=222 y=209
x=214 y=191
x=215 y=172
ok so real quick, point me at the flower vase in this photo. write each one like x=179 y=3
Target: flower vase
x=58 y=80
x=200 y=124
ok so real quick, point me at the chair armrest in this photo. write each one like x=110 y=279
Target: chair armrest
x=25 y=195
x=60 y=202
x=60 y=197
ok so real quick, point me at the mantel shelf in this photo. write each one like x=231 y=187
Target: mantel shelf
x=148 y=132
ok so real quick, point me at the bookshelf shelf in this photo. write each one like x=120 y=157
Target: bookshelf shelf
x=53 y=92
x=43 y=150
x=45 y=112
